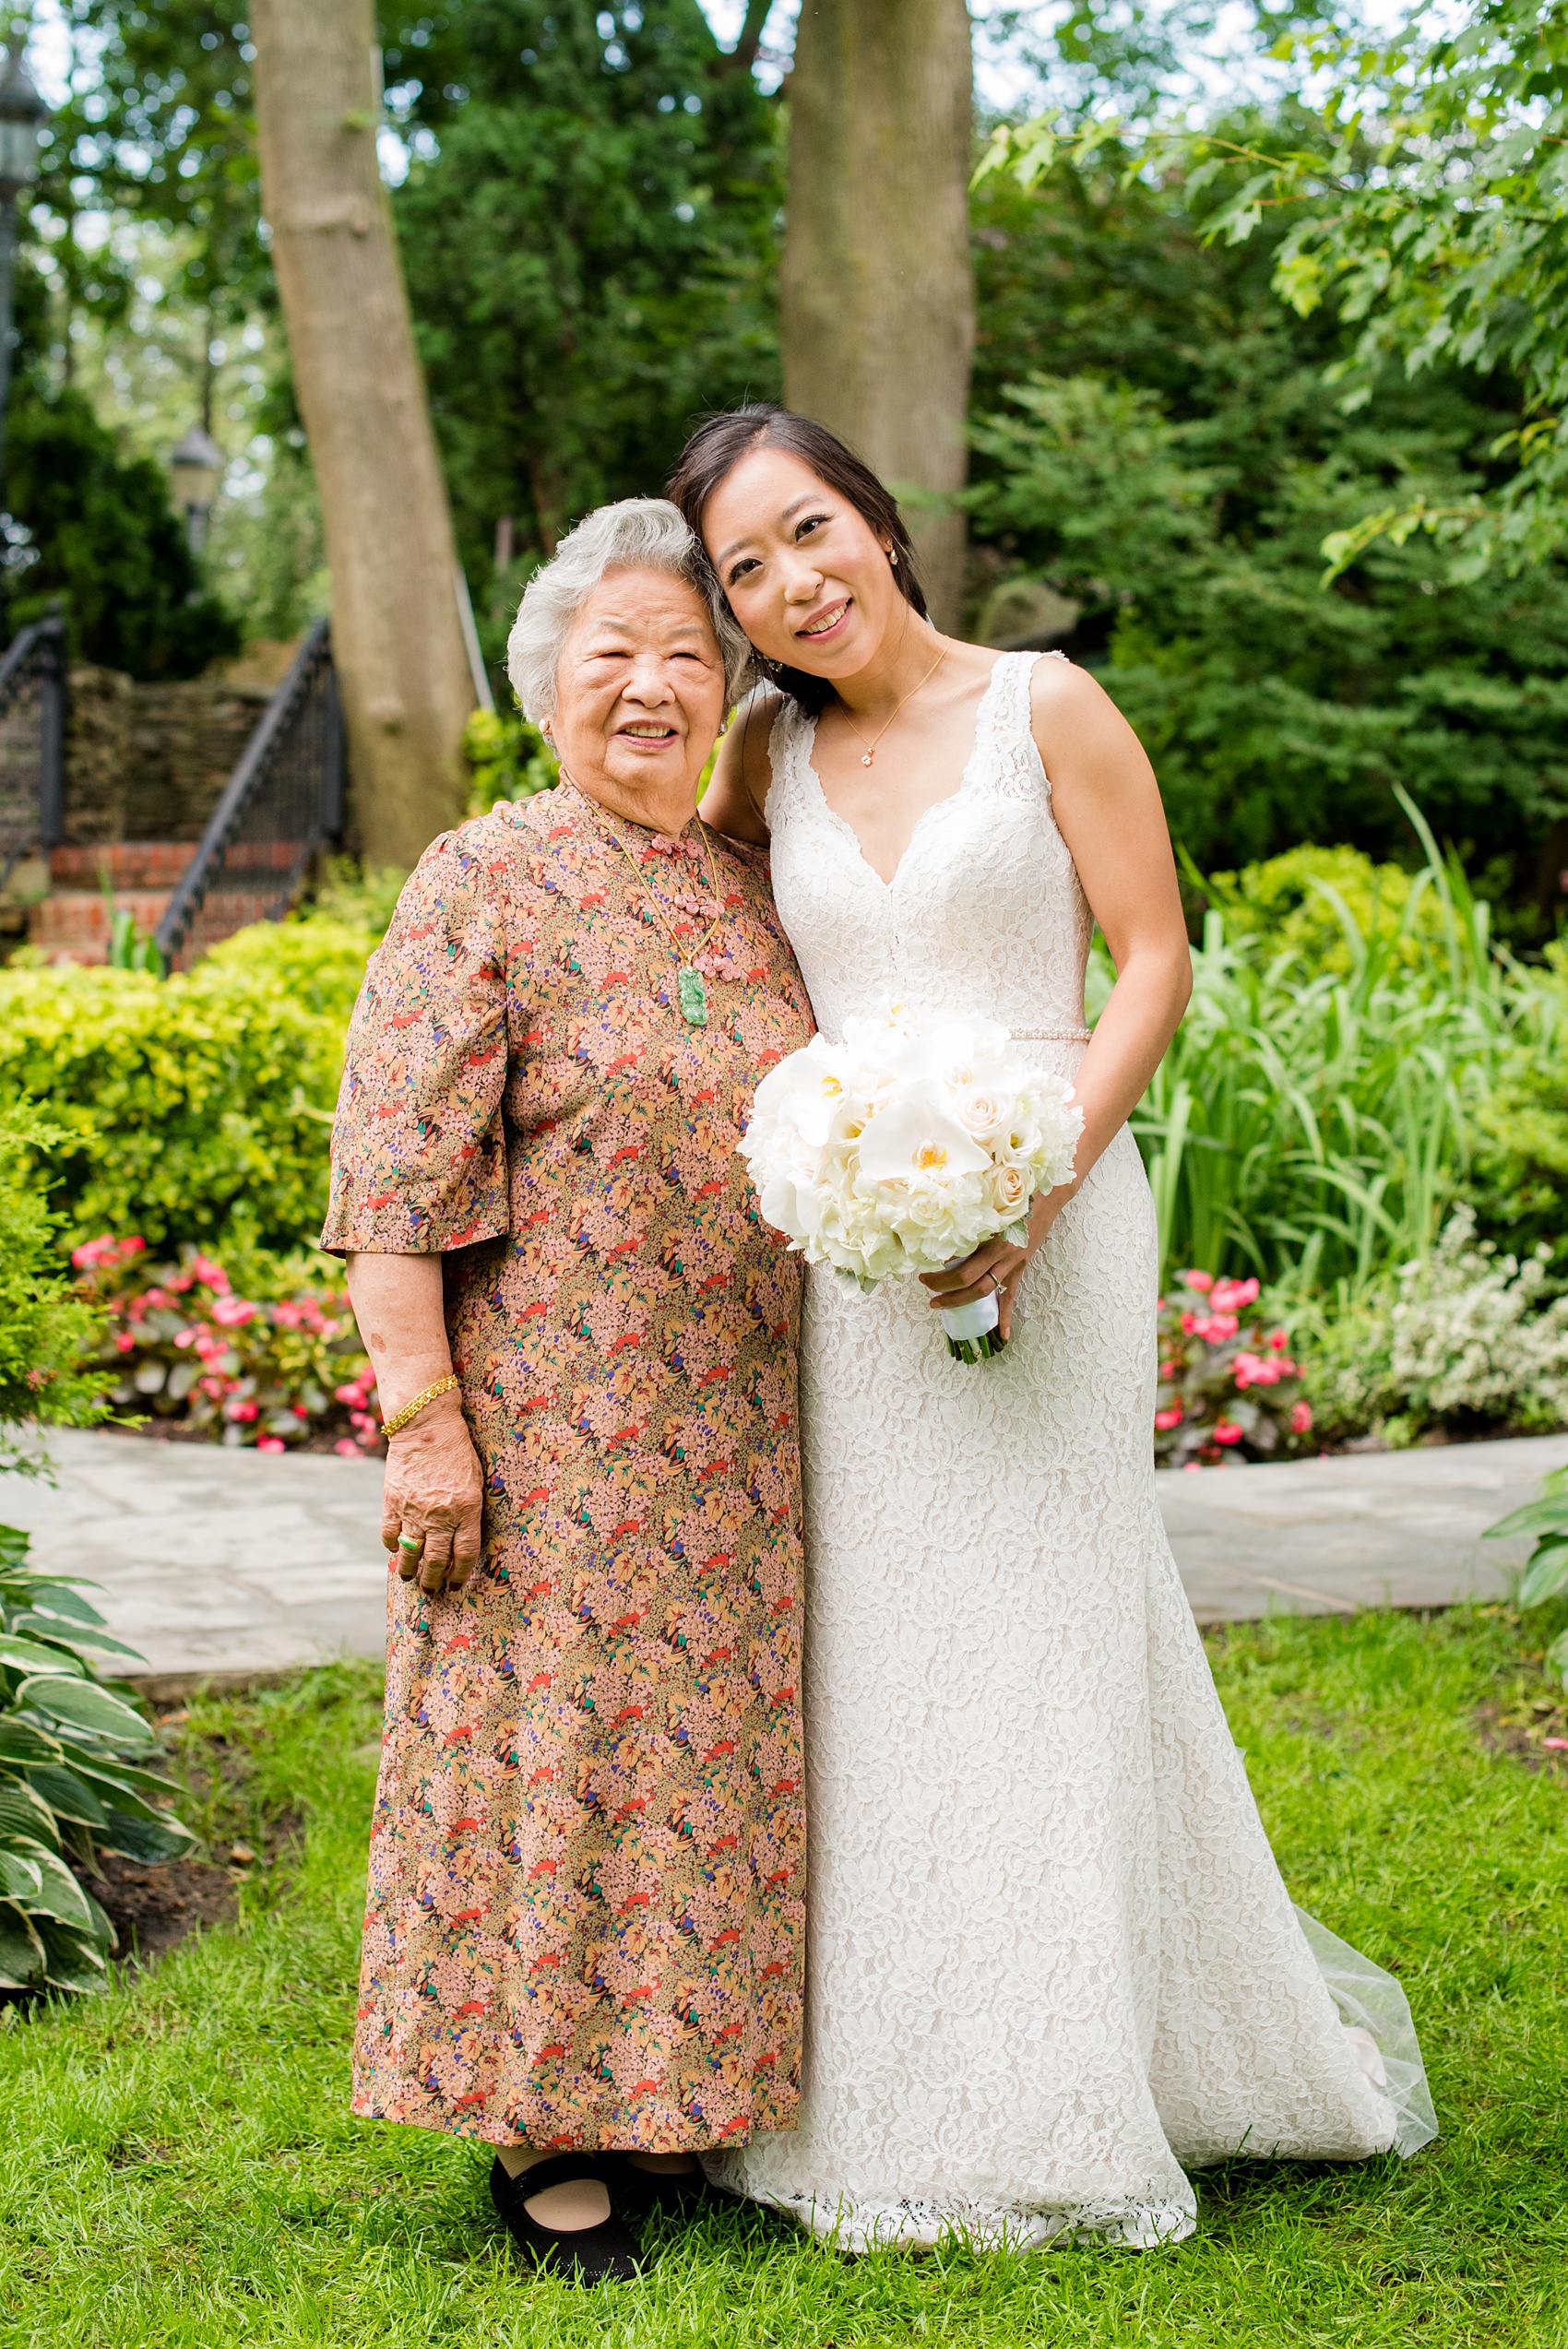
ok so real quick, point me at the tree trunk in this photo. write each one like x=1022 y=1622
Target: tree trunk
x=878 y=300
x=396 y=634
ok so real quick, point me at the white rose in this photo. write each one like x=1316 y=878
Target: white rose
x=983 y=1112
x=1010 y=1191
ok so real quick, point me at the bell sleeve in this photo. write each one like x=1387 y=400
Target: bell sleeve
x=419 y=1144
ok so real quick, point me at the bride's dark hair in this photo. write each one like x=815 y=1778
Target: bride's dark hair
x=717 y=447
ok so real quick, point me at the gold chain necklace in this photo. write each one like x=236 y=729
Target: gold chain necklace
x=870 y=752
x=690 y=988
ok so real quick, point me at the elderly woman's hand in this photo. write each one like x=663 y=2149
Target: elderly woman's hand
x=433 y=1501
x=435 y=1496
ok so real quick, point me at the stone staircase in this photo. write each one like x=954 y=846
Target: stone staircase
x=91 y=885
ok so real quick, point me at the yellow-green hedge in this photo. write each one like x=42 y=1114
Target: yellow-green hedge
x=188 y=1101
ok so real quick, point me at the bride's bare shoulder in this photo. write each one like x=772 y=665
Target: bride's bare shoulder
x=737 y=793
x=1075 y=722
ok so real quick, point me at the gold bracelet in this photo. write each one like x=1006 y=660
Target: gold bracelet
x=399 y=1419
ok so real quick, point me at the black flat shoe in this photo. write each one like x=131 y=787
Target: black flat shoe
x=670 y=2191
x=603 y=2254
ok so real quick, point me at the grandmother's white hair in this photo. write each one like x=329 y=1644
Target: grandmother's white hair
x=637 y=534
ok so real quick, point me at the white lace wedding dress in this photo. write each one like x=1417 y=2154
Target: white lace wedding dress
x=1051 y=1958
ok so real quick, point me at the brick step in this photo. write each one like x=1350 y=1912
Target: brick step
x=73 y=925
x=125 y=864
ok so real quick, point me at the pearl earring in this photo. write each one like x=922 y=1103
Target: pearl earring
x=893 y=557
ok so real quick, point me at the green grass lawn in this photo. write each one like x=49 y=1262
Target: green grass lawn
x=178 y=2165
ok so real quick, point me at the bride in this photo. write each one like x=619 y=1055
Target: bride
x=1051 y=1964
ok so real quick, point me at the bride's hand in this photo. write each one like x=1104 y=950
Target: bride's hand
x=997 y=1265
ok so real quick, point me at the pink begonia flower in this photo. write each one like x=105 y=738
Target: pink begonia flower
x=134 y=1246
x=1202 y=1282
x=300 y=1410
x=181 y=1282
x=209 y=1346
x=1172 y=1418
x=346 y=1448
x=126 y=1341
x=1227 y=1431
x=1254 y=1370
x=1229 y=1295
x=186 y=1337
x=270 y=1443
x=204 y=1269
x=353 y=1393
x=1279 y=1339
x=1300 y=1418
x=94 y=1253
x=233 y=1311
x=216 y=1388
x=1212 y=1328
x=37 y=1378
x=242 y=1411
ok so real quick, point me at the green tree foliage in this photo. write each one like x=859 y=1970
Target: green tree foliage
x=161 y=125
x=1431 y=206
x=1158 y=439
x=589 y=232
x=99 y=532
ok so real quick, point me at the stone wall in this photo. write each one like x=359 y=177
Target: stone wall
x=148 y=762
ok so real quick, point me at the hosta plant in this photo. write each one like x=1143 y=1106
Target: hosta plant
x=1546 y=1573
x=1229 y=1389
x=75 y=1779
x=184 y=1345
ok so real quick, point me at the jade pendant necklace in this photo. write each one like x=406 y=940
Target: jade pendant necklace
x=690 y=988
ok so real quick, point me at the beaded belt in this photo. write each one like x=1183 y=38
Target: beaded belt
x=1052 y=1035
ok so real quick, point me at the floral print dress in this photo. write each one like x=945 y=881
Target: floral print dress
x=586 y=1902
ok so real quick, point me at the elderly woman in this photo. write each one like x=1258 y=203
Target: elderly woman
x=583 y=1943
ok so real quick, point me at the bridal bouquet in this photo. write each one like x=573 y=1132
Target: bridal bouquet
x=904 y=1148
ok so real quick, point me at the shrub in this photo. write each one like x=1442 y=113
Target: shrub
x=185 y=1343
x=1457 y=1339
x=1316 y=1125
x=181 y=1100
x=508 y=758
x=1546 y=1570
x=1227 y=1388
x=1520 y=1186
x=1325 y=905
x=45 y=1328
x=73 y=1780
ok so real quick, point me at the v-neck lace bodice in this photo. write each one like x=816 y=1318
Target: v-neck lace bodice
x=985 y=912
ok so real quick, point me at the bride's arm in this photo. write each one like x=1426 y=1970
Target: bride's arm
x=1108 y=809
x=737 y=790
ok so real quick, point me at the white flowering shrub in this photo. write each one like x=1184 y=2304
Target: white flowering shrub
x=1460 y=1336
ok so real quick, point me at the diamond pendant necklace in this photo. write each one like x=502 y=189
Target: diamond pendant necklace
x=870 y=752
x=690 y=988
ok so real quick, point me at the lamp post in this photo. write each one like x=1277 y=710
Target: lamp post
x=22 y=116
x=194 y=469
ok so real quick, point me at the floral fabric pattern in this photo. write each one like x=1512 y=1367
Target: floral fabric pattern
x=585 y=1915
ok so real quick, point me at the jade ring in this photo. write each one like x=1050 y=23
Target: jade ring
x=407 y=1541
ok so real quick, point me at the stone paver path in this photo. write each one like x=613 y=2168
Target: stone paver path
x=231 y=1562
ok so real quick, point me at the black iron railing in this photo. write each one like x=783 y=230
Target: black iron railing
x=282 y=805
x=32 y=743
